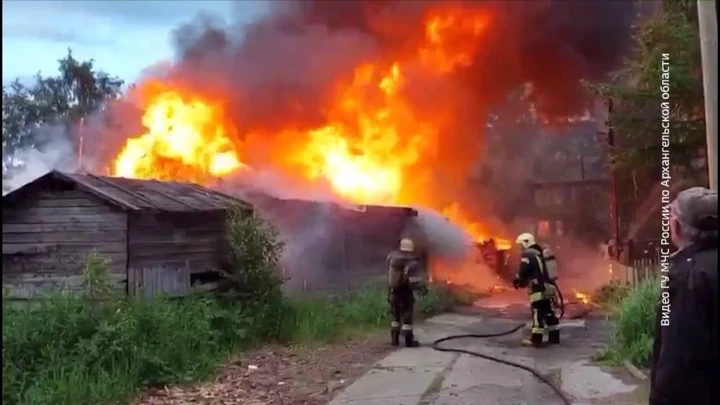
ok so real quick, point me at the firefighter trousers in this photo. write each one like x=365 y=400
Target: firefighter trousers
x=543 y=318
x=402 y=306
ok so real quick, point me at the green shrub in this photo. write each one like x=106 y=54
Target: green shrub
x=252 y=276
x=610 y=295
x=254 y=254
x=96 y=278
x=633 y=323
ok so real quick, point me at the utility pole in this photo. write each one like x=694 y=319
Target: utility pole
x=707 y=17
x=614 y=205
x=606 y=135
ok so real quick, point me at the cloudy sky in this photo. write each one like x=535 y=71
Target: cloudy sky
x=123 y=37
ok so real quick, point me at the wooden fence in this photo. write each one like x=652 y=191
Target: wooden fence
x=638 y=271
x=640 y=260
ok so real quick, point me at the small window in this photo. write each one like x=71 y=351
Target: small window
x=559 y=228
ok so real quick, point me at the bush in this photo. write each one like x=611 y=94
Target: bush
x=64 y=351
x=633 y=323
x=610 y=295
x=252 y=276
x=254 y=254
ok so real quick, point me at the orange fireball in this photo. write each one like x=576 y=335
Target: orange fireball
x=185 y=140
x=372 y=138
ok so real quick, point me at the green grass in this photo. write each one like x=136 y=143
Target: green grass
x=67 y=352
x=328 y=318
x=633 y=323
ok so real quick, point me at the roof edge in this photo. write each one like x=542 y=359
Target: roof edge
x=78 y=180
x=58 y=175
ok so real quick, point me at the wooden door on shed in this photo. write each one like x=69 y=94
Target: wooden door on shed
x=152 y=281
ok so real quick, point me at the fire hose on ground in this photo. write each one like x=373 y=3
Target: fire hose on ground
x=543 y=379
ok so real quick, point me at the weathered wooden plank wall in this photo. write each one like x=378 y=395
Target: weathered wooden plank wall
x=149 y=282
x=47 y=238
x=363 y=249
x=175 y=241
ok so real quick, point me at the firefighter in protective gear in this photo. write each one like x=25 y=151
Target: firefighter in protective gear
x=404 y=278
x=533 y=274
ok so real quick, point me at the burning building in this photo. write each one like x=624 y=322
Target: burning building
x=376 y=103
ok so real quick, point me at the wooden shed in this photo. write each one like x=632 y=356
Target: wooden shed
x=157 y=236
x=342 y=247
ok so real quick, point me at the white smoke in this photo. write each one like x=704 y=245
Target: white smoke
x=443 y=238
x=57 y=153
x=453 y=254
x=303 y=257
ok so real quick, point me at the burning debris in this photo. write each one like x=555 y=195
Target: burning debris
x=584 y=298
x=375 y=102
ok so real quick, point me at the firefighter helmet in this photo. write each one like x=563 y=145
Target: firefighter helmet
x=407 y=245
x=525 y=240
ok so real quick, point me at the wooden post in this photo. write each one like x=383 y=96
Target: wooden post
x=707 y=17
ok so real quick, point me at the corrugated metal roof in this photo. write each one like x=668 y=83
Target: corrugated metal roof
x=146 y=195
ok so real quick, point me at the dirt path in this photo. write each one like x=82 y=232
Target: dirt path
x=277 y=375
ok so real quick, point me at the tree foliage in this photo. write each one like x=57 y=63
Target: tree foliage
x=636 y=94
x=76 y=92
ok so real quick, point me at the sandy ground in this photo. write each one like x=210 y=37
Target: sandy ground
x=277 y=375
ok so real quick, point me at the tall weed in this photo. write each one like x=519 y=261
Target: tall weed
x=633 y=323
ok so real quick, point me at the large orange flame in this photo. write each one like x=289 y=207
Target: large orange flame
x=372 y=137
x=185 y=140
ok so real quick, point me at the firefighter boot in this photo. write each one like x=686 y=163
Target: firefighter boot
x=410 y=339
x=554 y=337
x=395 y=335
x=535 y=340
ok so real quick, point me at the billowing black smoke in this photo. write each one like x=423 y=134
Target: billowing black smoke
x=285 y=58
x=551 y=44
